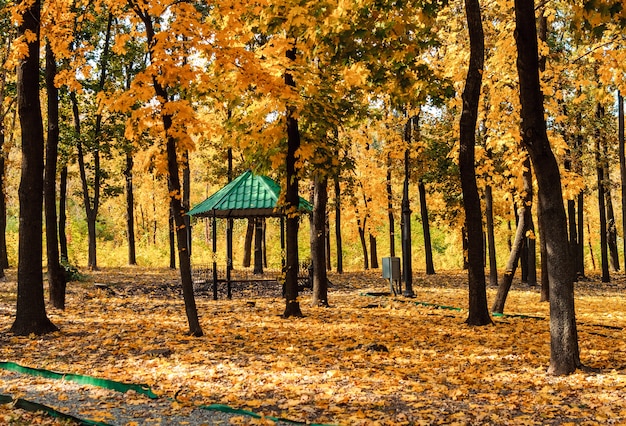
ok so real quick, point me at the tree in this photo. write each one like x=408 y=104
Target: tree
x=56 y=274
x=622 y=166
x=30 y=316
x=523 y=226
x=478 y=310
x=564 y=352
x=291 y=204
x=318 y=237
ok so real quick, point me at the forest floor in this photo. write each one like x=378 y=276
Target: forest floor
x=366 y=360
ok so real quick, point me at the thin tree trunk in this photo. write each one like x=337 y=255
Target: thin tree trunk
x=172 y=239
x=478 y=310
x=564 y=351
x=523 y=224
x=130 y=209
x=543 y=254
x=63 y=215
x=327 y=239
x=611 y=229
x=392 y=222
x=622 y=168
x=338 y=226
x=491 y=239
x=30 y=315
x=4 y=258
x=428 y=247
x=175 y=191
x=405 y=224
x=531 y=241
x=361 y=228
x=604 y=252
x=258 y=246
x=373 y=252
x=580 y=257
x=56 y=274
x=247 y=245
x=292 y=201
x=318 y=258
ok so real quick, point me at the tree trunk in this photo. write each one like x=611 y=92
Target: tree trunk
x=523 y=224
x=338 y=226
x=258 y=245
x=318 y=258
x=30 y=316
x=247 y=246
x=604 y=252
x=491 y=239
x=130 y=210
x=392 y=222
x=172 y=239
x=327 y=237
x=478 y=310
x=373 y=252
x=531 y=241
x=405 y=224
x=611 y=228
x=4 y=258
x=361 y=228
x=62 y=215
x=564 y=352
x=56 y=274
x=174 y=188
x=543 y=255
x=292 y=201
x=622 y=167
x=580 y=256
x=428 y=247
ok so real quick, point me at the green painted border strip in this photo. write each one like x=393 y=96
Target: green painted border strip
x=85 y=380
x=124 y=387
x=34 y=407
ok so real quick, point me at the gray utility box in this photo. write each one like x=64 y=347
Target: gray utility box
x=391 y=268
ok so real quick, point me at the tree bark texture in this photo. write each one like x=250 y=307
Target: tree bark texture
x=247 y=246
x=392 y=222
x=604 y=249
x=258 y=245
x=292 y=201
x=491 y=239
x=175 y=190
x=30 y=316
x=56 y=275
x=130 y=209
x=62 y=214
x=405 y=224
x=622 y=167
x=428 y=247
x=478 y=310
x=318 y=230
x=523 y=225
x=338 y=241
x=564 y=352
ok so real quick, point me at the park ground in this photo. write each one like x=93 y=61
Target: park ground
x=368 y=359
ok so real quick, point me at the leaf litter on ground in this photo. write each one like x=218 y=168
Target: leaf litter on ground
x=366 y=360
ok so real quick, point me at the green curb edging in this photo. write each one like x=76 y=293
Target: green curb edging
x=84 y=380
x=119 y=387
x=35 y=406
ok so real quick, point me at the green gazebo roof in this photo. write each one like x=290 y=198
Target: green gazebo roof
x=249 y=195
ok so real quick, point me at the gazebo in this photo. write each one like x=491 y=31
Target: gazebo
x=247 y=196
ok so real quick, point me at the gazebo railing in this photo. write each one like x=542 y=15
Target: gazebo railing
x=244 y=282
